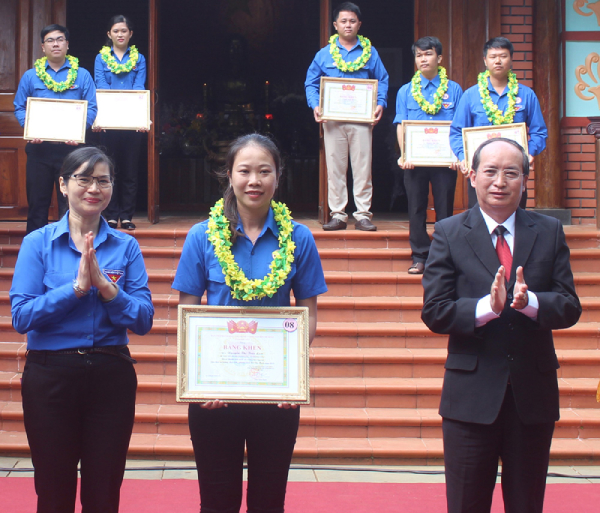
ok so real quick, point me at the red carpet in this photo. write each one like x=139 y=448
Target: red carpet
x=17 y=495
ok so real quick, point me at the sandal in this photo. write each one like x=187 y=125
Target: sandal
x=416 y=268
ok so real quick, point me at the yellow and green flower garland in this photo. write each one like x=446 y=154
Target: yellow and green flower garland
x=491 y=109
x=417 y=94
x=112 y=63
x=49 y=82
x=241 y=287
x=349 y=67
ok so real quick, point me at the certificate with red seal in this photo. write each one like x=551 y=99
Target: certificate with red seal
x=426 y=143
x=242 y=355
x=352 y=100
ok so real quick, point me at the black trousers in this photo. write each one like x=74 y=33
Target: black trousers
x=471 y=453
x=43 y=166
x=123 y=146
x=78 y=408
x=416 y=183
x=473 y=196
x=218 y=436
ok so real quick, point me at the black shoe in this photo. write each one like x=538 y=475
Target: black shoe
x=365 y=225
x=334 y=224
x=112 y=223
x=127 y=225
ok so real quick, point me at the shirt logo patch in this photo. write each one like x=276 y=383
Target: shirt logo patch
x=447 y=105
x=518 y=99
x=113 y=275
x=446 y=96
x=518 y=108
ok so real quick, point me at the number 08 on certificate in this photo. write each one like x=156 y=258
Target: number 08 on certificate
x=242 y=354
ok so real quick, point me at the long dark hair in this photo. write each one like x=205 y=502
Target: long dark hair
x=119 y=18
x=230 y=209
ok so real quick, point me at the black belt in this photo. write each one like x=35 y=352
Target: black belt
x=111 y=350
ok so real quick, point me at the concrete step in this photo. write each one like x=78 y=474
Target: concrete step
x=583 y=423
x=363 y=451
x=332 y=362
x=356 y=392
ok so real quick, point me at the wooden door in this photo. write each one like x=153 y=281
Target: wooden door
x=20 y=24
x=153 y=156
x=463 y=27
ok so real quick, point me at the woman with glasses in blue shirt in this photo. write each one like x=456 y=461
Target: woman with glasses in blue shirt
x=120 y=66
x=257 y=227
x=78 y=287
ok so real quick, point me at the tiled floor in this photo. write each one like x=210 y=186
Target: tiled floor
x=154 y=469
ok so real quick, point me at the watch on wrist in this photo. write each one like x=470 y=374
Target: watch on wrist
x=78 y=289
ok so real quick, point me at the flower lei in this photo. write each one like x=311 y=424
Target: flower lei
x=349 y=67
x=241 y=287
x=430 y=108
x=49 y=82
x=491 y=109
x=112 y=63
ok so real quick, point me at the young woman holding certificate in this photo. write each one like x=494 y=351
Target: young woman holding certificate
x=245 y=273
x=120 y=66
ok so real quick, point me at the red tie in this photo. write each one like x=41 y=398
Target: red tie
x=503 y=251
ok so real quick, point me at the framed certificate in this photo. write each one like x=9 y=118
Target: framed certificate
x=55 y=120
x=348 y=99
x=426 y=143
x=122 y=109
x=242 y=354
x=474 y=136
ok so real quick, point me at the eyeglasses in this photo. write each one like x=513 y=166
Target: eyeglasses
x=492 y=174
x=59 y=40
x=104 y=182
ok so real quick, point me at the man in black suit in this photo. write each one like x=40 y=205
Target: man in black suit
x=500 y=393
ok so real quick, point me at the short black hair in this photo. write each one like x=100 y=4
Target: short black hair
x=477 y=156
x=89 y=155
x=498 y=42
x=52 y=28
x=427 y=43
x=349 y=7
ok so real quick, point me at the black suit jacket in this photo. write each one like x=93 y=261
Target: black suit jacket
x=460 y=270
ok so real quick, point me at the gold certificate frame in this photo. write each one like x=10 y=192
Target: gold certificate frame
x=473 y=137
x=243 y=354
x=55 y=120
x=348 y=99
x=426 y=143
x=122 y=109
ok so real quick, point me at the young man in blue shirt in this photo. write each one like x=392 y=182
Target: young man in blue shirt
x=491 y=102
x=428 y=96
x=341 y=138
x=55 y=76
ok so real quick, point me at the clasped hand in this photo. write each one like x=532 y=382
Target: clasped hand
x=89 y=274
x=498 y=291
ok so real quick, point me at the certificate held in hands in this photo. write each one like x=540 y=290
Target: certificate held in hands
x=426 y=143
x=55 y=120
x=122 y=109
x=242 y=354
x=352 y=100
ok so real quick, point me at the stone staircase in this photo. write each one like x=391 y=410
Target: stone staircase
x=376 y=370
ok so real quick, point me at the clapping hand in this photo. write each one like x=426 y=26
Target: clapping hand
x=498 y=291
x=89 y=273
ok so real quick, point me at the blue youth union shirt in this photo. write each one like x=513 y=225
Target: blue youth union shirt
x=323 y=65
x=44 y=304
x=31 y=85
x=199 y=270
x=408 y=109
x=106 y=79
x=470 y=112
